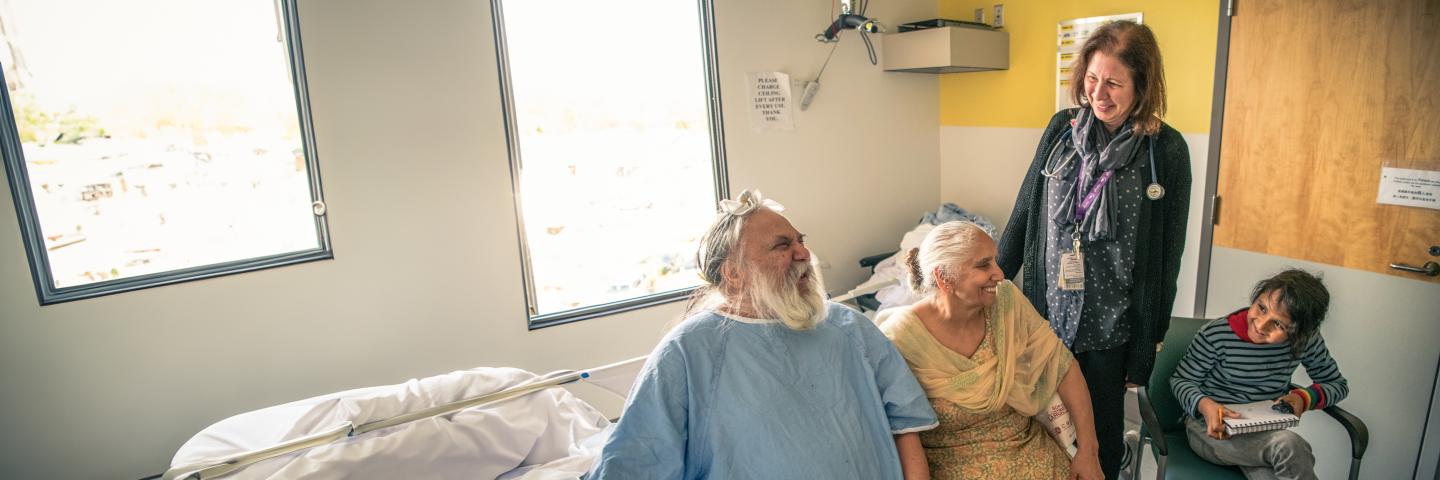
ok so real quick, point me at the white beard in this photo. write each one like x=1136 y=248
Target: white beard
x=786 y=302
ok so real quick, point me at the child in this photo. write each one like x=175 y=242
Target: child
x=1249 y=356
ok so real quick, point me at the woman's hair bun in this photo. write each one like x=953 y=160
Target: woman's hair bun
x=916 y=278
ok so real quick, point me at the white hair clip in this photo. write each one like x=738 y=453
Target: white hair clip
x=747 y=202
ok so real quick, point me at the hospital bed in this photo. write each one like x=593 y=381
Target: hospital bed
x=393 y=428
x=479 y=423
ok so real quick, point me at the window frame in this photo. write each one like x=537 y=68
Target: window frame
x=719 y=173
x=287 y=15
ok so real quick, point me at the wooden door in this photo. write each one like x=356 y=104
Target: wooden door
x=1319 y=95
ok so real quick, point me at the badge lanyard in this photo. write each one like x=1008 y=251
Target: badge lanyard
x=1072 y=263
x=1083 y=207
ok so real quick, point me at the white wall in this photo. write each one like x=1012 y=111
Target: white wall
x=425 y=281
x=981 y=169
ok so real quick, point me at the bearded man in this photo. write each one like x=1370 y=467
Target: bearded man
x=765 y=379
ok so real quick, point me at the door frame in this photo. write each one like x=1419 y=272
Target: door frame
x=1427 y=466
x=1212 y=160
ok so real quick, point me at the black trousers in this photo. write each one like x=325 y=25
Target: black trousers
x=1105 y=375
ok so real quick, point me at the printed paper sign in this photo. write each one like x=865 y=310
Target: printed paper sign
x=770 y=101
x=1410 y=188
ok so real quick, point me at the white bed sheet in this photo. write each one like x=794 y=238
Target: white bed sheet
x=549 y=434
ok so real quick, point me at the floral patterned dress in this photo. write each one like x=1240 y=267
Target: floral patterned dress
x=985 y=401
x=978 y=445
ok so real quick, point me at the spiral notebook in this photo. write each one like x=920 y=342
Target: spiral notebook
x=1258 y=417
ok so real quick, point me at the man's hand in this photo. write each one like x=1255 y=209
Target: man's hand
x=1215 y=415
x=1297 y=404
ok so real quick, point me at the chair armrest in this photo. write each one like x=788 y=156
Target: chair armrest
x=873 y=260
x=1359 y=433
x=1152 y=422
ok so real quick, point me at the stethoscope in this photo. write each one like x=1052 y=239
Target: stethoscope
x=1153 y=191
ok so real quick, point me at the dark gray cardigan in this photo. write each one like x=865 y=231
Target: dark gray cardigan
x=1161 y=241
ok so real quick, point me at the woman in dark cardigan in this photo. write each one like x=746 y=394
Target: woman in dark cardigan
x=1099 y=224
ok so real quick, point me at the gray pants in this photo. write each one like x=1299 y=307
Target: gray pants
x=1279 y=454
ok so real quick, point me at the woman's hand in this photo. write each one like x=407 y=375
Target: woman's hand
x=1129 y=384
x=1076 y=397
x=1215 y=415
x=1086 y=466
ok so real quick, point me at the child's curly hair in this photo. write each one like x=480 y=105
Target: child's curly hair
x=1305 y=299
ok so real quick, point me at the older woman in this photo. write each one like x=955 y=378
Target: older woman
x=1099 y=223
x=988 y=363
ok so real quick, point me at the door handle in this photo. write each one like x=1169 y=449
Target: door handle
x=1430 y=269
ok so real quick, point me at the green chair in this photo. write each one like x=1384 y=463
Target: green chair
x=1163 y=419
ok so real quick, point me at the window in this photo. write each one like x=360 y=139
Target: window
x=614 y=127
x=157 y=141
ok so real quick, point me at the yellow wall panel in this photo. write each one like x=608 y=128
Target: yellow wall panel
x=1024 y=95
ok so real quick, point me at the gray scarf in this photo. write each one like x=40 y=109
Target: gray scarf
x=1098 y=152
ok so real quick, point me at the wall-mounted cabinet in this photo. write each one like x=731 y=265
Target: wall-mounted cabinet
x=947 y=50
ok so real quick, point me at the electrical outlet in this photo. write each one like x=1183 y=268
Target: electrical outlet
x=979 y=15
x=999 y=15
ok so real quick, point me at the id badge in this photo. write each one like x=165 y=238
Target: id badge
x=1072 y=269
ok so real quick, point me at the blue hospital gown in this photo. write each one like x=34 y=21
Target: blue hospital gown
x=723 y=397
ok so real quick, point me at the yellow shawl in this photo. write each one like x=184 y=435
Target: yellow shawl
x=1024 y=373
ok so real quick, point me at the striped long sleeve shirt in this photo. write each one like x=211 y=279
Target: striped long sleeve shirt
x=1229 y=369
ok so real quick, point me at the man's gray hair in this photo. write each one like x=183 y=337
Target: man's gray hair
x=718 y=244
x=723 y=238
x=720 y=248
